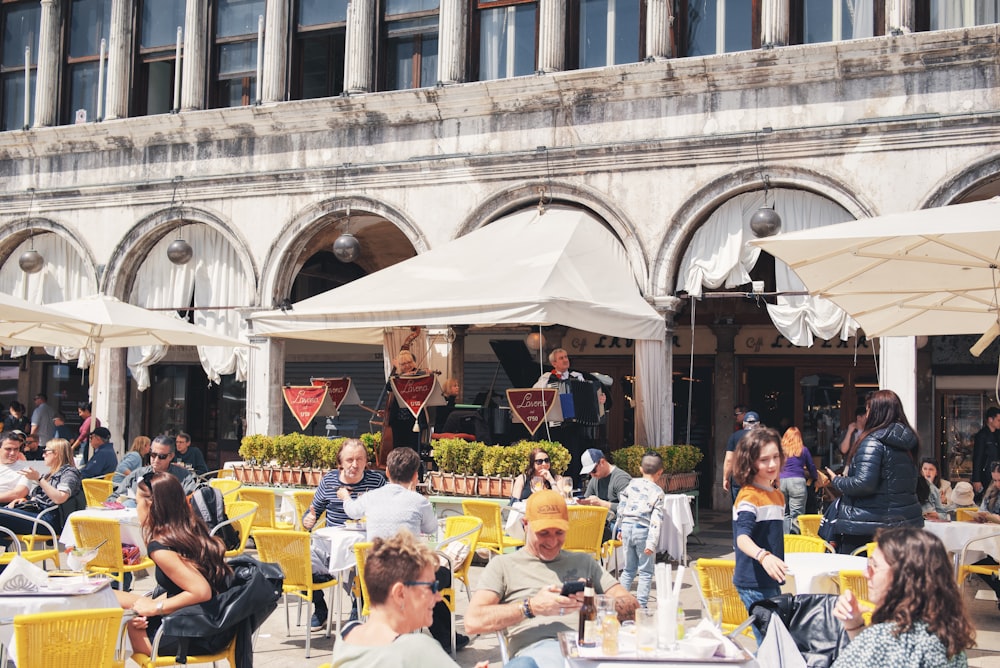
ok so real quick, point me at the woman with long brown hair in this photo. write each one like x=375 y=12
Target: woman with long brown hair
x=794 y=478
x=190 y=565
x=919 y=617
x=880 y=487
x=537 y=475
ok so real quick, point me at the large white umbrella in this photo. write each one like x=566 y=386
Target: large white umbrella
x=927 y=272
x=100 y=321
x=17 y=314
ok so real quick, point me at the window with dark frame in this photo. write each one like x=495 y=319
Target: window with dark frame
x=506 y=34
x=410 y=50
x=156 y=60
x=88 y=23
x=602 y=33
x=21 y=21
x=709 y=27
x=319 y=49
x=818 y=21
x=234 y=52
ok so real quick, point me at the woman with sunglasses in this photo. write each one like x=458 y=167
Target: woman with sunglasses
x=190 y=565
x=54 y=488
x=537 y=476
x=919 y=618
x=402 y=592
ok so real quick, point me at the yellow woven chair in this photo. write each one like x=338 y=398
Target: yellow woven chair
x=586 y=530
x=856 y=581
x=465 y=529
x=809 y=525
x=966 y=569
x=96 y=491
x=229 y=487
x=240 y=514
x=492 y=535
x=715 y=577
x=966 y=514
x=265 y=517
x=69 y=638
x=799 y=543
x=290 y=550
x=29 y=552
x=865 y=550
x=228 y=653
x=91 y=531
x=303 y=498
x=361 y=551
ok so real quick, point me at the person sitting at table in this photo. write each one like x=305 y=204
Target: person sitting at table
x=161 y=457
x=934 y=503
x=351 y=473
x=402 y=593
x=190 y=566
x=13 y=485
x=55 y=488
x=537 y=475
x=919 y=619
x=103 y=460
x=989 y=513
x=397 y=506
x=133 y=459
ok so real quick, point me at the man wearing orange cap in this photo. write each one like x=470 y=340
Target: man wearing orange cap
x=520 y=592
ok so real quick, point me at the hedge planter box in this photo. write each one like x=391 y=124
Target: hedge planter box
x=680 y=482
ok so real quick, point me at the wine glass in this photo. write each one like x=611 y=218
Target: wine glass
x=713 y=607
x=78 y=557
x=537 y=484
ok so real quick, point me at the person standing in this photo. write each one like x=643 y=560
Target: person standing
x=62 y=430
x=189 y=455
x=880 y=487
x=399 y=416
x=567 y=433
x=41 y=420
x=88 y=424
x=985 y=449
x=750 y=420
x=794 y=481
x=638 y=525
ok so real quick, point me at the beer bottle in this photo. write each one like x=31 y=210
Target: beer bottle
x=587 y=633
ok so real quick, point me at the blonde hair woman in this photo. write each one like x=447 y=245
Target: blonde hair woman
x=55 y=488
x=794 y=481
x=133 y=459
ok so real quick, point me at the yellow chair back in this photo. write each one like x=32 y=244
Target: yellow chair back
x=227 y=486
x=856 y=581
x=303 y=499
x=68 y=638
x=715 y=576
x=809 y=525
x=492 y=535
x=799 y=543
x=966 y=514
x=456 y=525
x=865 y=550
x=96 y=491
x=91 y=531
x=265 y=500
x=243 y=512
x=361 y=551
x=586 y=530
x=227 y=653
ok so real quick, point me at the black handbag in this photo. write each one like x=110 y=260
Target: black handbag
x=809 y=618
x=827 y=526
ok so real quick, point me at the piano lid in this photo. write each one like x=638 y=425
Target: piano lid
x=517 y=361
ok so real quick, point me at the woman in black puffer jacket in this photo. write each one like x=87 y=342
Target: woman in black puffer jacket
x=879 y=486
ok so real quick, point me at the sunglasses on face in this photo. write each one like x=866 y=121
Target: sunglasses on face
x=433 y=586
x=542 y=461
x=159 y=455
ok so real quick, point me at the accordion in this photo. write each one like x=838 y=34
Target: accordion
x=580 y=402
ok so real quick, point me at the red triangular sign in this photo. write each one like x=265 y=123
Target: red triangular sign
x=413 y=391
x=532 y=405
x=304 y=401
x=337 y=388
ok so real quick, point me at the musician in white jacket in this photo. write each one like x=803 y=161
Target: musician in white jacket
x=566 y=433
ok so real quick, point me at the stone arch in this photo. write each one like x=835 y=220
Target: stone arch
x=133 y=248
x=284 y=257
x=696 y=210
x=962 y=183
x=529 y=193
x=15 y=233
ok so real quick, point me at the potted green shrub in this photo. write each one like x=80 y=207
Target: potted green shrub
x=679 y=462
x=256 y=450
x=459 y=463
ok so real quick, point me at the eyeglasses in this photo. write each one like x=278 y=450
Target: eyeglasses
x=543 y=461
x=433 y=586
x=160 y=455
x=46 y=451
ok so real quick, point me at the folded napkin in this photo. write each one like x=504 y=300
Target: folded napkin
x=706 y=629
x=22 y=575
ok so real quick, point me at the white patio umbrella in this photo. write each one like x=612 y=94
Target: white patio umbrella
x=99 y=321
x=17 y=314
x=927 y=272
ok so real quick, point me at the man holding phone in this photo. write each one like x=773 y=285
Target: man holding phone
x=523 y=594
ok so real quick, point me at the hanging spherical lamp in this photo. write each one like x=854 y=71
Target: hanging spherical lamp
x=765 y=222
x=179 y=251
x=31 y=261
x=347 y=248
x=534 y=341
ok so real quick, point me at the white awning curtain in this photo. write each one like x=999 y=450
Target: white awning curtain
x=719 y=256
x=215 y=276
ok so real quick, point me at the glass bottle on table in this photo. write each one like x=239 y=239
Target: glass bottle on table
x=587 y=631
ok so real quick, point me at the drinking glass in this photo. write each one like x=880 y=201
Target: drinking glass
x=537 y=484
x=713 y=610
x=645 y=632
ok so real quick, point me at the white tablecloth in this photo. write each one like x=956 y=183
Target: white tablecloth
x=816 y=573
x=128 y=520
x=341 y=546
x=28 y=605
x=955 y=535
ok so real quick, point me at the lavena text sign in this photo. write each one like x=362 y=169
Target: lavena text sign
x=750 y=340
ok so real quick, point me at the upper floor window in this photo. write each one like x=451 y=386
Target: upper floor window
x=318 y=52
x=508 y=38
x=89 y=23
x=945 y=14
x=156 y=62
x=411 y=43
x=610 y=32
x=832 y=21
x=718 y=26
x=235 y=54
x=21 y=22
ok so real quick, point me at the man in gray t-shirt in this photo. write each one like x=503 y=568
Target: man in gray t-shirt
x=519 y=593
x=41 y=420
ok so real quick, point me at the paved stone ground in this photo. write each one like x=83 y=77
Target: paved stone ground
x=276 y=649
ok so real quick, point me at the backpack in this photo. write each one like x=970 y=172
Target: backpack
x=207 y=504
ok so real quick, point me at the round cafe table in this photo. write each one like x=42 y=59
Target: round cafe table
x=816 y=573
x=128 y=521
x=342 y=560
x=955 y=535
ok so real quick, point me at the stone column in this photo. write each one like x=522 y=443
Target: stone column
x=452 y=40
x=551 y=35
x=47 y=74
x=275 y=79
x=725 y=398
x=194 y=73
x=900 y=16
x=897 y=364
x=265 y=377
x=774 y=23
x=659 y=20
x=112 y=390
x=359 y=74
x=119 y=59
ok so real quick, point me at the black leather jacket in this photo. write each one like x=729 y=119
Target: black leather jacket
x=880 y=489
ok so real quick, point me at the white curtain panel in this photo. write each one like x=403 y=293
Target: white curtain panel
x=63 y=277
x=393 y=339
x=651 y=403
x=213 y=278
x=719 y=256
